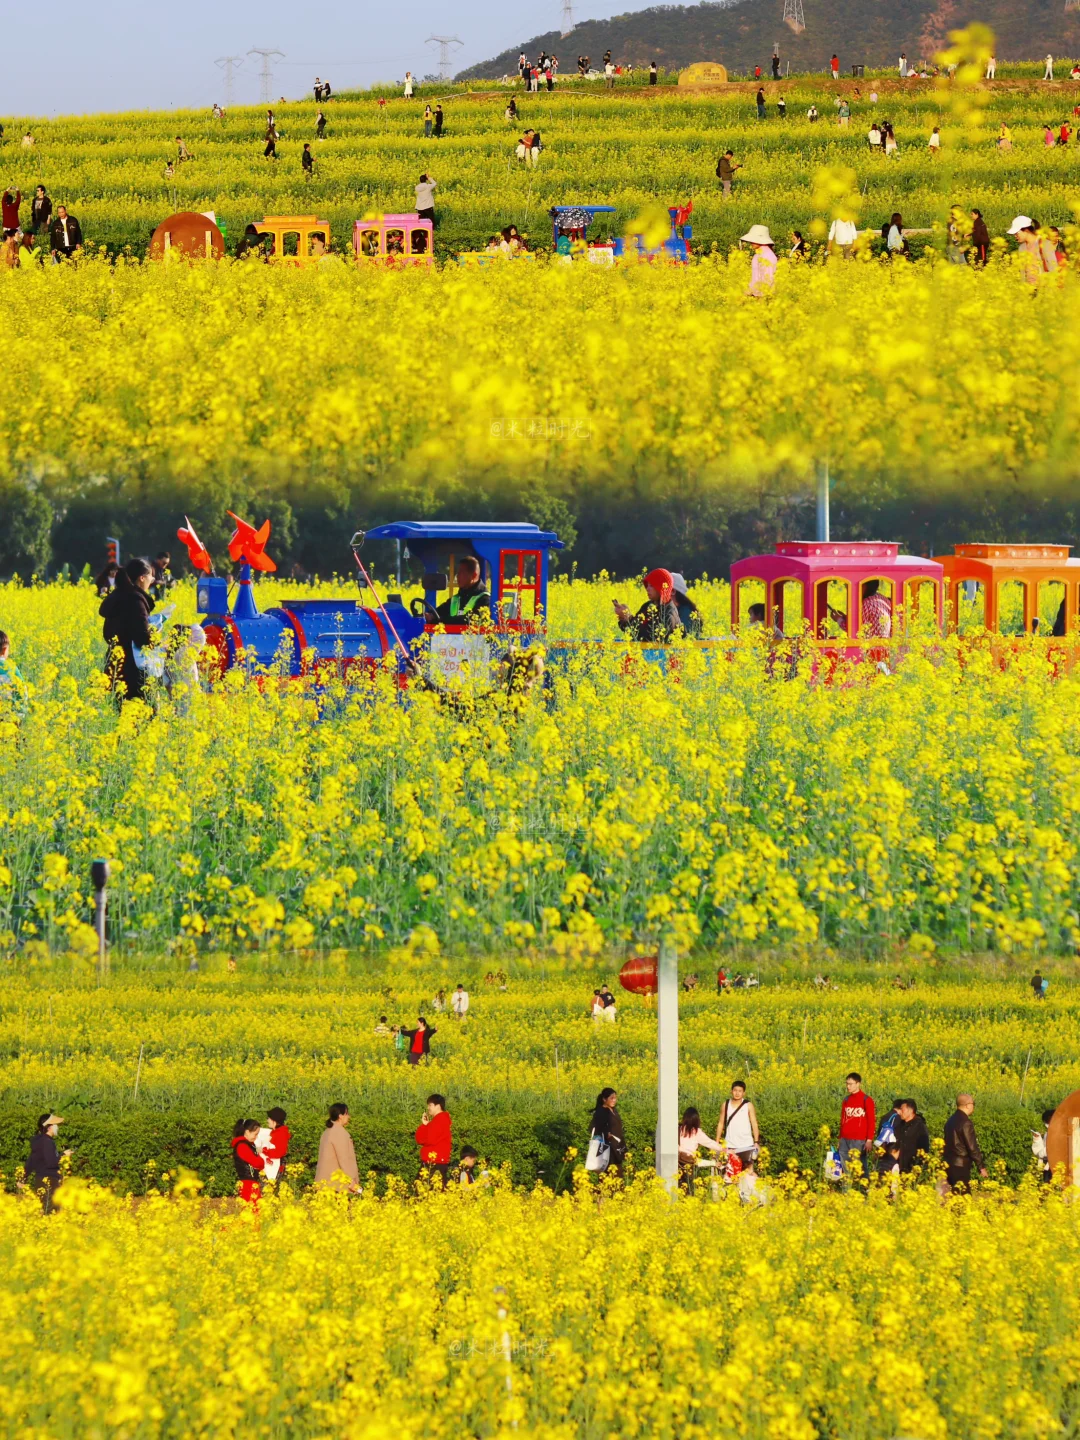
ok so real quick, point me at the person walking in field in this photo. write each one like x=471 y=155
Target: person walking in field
x=276 y=1151
x=761 y=104
x=653 y=73
x=459 y=1002
x=991 y=68
x=125 y=611
x=320 y=126
x=43 y=1164
x=842 y=237
x=247 y=1160
x=270 y=148
x=40 y=211
x=889 y=135
x=980 y=238
x=307 y=161
x=725 y=170
x=843 y=114
x=434 y=1135
x=419 y=1041
x=857 y=1127
x=336 y=1167
x=438 y=121
x=9 y=207
x=763 y=265
x=961 y=1147
x=607 y=1127
x=609 y=75
x=408 y=85
x=737 y=1128
x=1048 y=73
x=934 y=143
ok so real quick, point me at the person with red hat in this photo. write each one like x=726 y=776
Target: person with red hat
x=658 y=619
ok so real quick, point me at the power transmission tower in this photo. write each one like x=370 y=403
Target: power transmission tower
x=444 y=42
x=229 y=64
x=568 y=16
x=267 y=75
x=793 y=15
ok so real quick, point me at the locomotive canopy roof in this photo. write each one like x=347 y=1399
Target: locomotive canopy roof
x=491 y=532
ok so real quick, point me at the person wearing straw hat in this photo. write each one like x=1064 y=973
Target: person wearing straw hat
x=43 y=1166
x=763 y=268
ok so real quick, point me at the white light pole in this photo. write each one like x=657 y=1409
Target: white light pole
x=667 y=1057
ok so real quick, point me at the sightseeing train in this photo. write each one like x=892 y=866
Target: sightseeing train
x=806 y=593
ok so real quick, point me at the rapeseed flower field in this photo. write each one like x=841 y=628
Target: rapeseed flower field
x=496 y=1312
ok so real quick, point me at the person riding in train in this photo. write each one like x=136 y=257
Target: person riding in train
x=658 y=619
x=471 y=602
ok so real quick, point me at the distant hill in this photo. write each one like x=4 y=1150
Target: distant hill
x=740 y=36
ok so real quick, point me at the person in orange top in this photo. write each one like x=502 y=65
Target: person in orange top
x=434 y=1137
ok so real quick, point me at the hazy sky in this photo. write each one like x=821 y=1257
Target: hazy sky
x=65 y=57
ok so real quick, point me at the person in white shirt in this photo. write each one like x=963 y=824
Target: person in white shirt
x=934 y=143
x=459 y=1002
x=692 y=1138
x=408 y=85
x=842 y=237
x=902 y=67
x=609 y=76
x=894 y=241
x=873 y=137
x=425 y=198
x=737 y=1129
x=1049 y=75
x=991 y=68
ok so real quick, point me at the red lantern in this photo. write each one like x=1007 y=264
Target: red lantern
x=641 y=975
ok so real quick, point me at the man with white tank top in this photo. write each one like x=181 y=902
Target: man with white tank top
x=738 y=1127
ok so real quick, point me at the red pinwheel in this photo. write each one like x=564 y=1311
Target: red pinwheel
x=683 y=213
x=197 y=551
x=248 y=544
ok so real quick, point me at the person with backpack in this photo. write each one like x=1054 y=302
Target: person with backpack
x=857 y=1125
x=606 y=1130
x=885 y=1139
x=435 y=1137
x=725 y=172
x=737 y=1128
x=247 y=1160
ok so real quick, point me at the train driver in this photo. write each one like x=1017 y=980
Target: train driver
x=470 y=604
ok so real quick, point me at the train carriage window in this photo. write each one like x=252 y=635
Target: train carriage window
x=519 y=585
x=290 y=243
x=970 y=606
x=369 y=242
x=869 y=620
x=921 y=607
x=788 y=603
x=750 y=592
x=1051 y=607
x=419 y=239
x=832 y=609
x=395 y=242
x=1012 y=604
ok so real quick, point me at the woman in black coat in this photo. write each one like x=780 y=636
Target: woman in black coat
x=43 y=1166
x=607 y=1121
x=126 y=614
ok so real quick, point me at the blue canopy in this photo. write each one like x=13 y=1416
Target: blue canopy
x=489 y=531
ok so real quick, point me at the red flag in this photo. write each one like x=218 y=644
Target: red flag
x=197 y=551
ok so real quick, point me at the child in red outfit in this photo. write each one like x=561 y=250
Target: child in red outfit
x=249 y=1163
x=433 y=1135
x=278 y=1148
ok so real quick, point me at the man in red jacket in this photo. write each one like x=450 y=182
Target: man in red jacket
x=857 y=1126
x=434 y=1138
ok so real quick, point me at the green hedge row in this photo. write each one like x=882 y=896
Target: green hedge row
x=133 y=1151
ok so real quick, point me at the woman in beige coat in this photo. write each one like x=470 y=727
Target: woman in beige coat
x=336 y=1154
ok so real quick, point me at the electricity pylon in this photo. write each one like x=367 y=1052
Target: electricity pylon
x=229 y=64
x=267 y=74
x=793 y=15
x=444 y=42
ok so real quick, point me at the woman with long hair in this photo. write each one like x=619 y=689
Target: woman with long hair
x=247 y=1160
x=691 y=1139
x=126 y=612
x=607 y=1123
